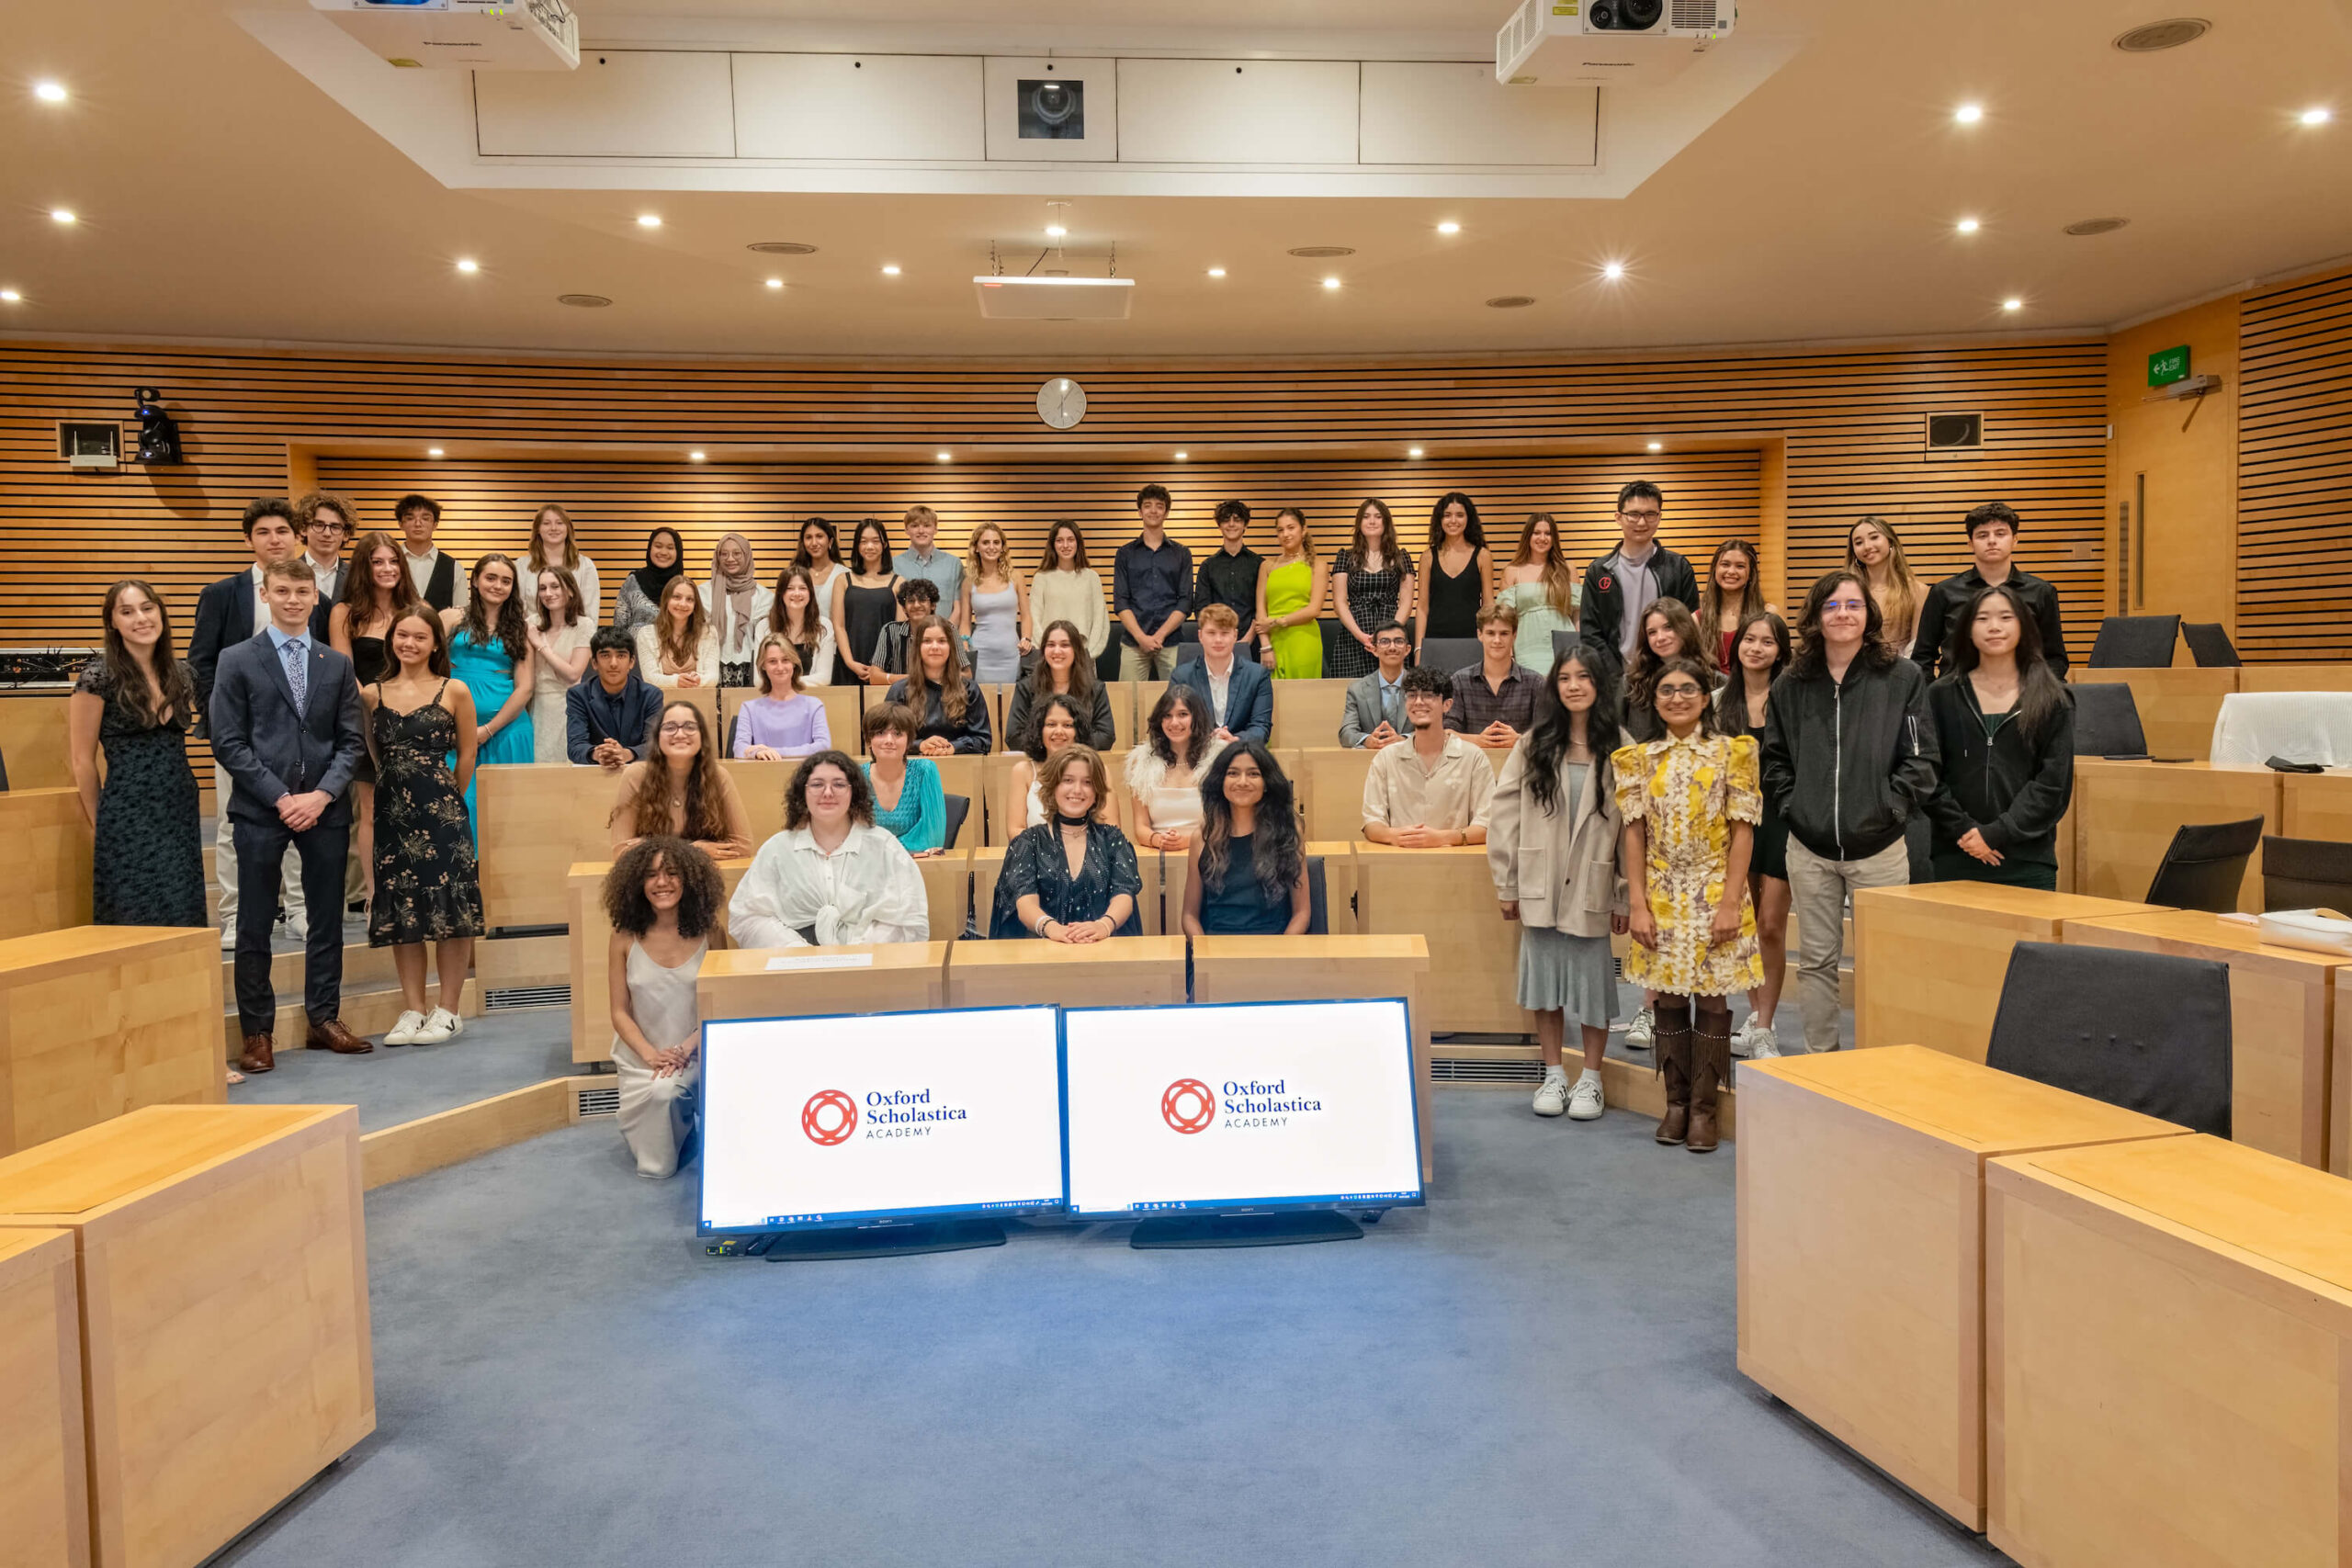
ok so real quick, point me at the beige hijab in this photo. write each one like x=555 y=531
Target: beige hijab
x=730 y=597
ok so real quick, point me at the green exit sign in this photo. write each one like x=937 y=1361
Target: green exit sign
x=2167 y=367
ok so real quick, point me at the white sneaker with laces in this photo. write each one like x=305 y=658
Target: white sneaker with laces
x=439 y=1025
x=1552 y=1094
x=1741 y=1037
x=404 y=1028
x=1642 y=1031
x=296 y=931
x=1762 y=1043
x=229 y=937
x=1584 y=1100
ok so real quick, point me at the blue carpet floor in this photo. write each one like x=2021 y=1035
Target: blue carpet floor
x=1536 y=1369
x=392 y=1084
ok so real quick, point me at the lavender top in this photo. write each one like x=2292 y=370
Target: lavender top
x=793 y=726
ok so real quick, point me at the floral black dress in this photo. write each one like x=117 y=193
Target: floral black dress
x=427 y=887
x=1372 y=597
x=147 y=858
x=1034 y=863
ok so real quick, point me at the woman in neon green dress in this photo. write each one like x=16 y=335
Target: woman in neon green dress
x=1290 y=592
x=1540 y=585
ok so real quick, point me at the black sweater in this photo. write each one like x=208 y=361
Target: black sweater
x=1947 y=599
x=2009 y=788
x=1849 y=763
x=972 y=737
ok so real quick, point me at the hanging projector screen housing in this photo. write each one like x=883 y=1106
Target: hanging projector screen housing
x=1055 y=298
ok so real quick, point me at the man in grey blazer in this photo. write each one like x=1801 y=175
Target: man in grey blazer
x=285 y=723
x=1374 y=714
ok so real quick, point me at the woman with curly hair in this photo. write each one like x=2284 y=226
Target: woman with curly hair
x=1250 y=878
x=831 y=878
x=1669 y=631
x=663 y=896
x=681 y=789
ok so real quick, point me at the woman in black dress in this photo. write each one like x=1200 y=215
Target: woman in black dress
x=1760 y=653
x=1074 y=877
x=375 y=589
x=1457 y=579
x=866 y=599
x=427 y=887
x=1250 y=877
x=137 y=701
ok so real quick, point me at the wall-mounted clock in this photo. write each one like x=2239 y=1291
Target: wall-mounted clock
x=1061 y=402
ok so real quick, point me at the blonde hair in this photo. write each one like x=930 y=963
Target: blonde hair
x=1898 y=610
x=536 y=555
x=1050 y=771
x=760 y=663
x=1003 y=552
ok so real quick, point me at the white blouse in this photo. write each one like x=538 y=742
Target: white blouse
x=590 y=590
x=1174 y=807
x=648 y=658
x=868 y=890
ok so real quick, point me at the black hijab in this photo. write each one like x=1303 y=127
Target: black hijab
x=652 y=580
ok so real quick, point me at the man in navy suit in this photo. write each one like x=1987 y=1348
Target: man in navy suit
x=227 y=613
x=1240 y=693
x=285 y=722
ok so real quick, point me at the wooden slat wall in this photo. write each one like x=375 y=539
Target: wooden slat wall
x=2295 y=471
x=1852 y=421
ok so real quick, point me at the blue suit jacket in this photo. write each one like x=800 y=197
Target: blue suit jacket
x=1248 y=695
x=269 y=748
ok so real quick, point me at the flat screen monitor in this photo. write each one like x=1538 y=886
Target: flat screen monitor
x=816 y=1122
x=1240 y=1108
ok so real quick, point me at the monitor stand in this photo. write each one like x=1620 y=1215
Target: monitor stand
x=1169 y=1231
x=887 y=1241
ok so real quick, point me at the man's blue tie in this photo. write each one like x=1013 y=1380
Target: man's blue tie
x=297 y=674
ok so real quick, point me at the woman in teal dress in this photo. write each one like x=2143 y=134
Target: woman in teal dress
x=489 y=651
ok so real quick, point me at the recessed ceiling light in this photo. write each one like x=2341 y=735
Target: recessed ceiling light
x=2316 y=116
x=10 y=297
x=649 y=220
x=781 y=248
x=432 y=451
x=890 y=270
x=1969 y=114
x=1331 y=283
x=1613 y=271
x=1657 y=445
x=1967 y=225
x=940 y=455
x=63 y=215
x=775 y=283
x=694 y=457
x=1216 y=272
x=50 y=92
x=1510 y=301
x=2169 y=34
x=1183 y=457
x=2013 y=304
x=1412 y=451
x=1449 y=227
x=1055 y=231
x=468 y=264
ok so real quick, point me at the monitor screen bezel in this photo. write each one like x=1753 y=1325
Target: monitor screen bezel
x=876 y=1219
x=1416 y=1197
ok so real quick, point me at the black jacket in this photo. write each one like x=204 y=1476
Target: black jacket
x=1098 y=731
x=1601 y=617
x=2010 y=789
x=1947 y=599
x=224 y=617
x=1849 y=763
x=593 y=715
x=972 y=737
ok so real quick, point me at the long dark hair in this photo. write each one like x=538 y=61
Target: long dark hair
x=1555 y=727
x=954 y=694
x=129 y=680
x=1032 y=744
x=1710 y=595
x=857 y=548
x=1276 y=854
x=1642 y=674
x=1699 y=671
x=360 y=597
x=778 y=615
x=1473 y=534
x=1082 y=666
x=436 y=662
x=1731 y=706
x=1196 y=746
x=2039 y=693
x=1391 y=548
x=801 y=557
x=1051 y=561
x=1812 y=658
x=513 y=628
x=706 y=789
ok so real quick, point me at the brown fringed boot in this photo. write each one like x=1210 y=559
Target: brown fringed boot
x=1709 y=1066
x=1672 y=1043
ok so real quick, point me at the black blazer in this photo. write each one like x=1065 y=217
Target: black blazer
x=271 y=751
x=224 y=617
x=333 y=591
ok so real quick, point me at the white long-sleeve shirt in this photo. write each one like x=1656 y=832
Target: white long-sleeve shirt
x=867 y=891
x=648 y=658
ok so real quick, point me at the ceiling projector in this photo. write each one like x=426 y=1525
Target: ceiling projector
x=470 y=35
x=1612 y=43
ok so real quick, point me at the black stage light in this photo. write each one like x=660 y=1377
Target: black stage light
x=159 y=433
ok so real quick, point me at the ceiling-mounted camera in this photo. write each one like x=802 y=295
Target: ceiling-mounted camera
x=159 y=433
x=1052 y=109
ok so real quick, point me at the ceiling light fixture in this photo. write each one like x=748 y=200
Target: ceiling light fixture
x=890 y=269
x=10 y=297
x=63 y=215
x=1055 y=231
x=781 y=248
x=2169 y=34
x=2012 y=304
x=649 y=220
x=1657 y=445
x=1183 y=457
x=1969 y=114
x=468 y=264
x=694 y=457
x=1216 y=272
x=50 y=92
x=775 y=283
x=1412 y=451
x=2316 y=116
x=940 y=455
x=1613 y=271
x=432 y=451
x=584 y=301
x=1331 y=283
x=2098 y=226
x=1969 y=225
x=1449 y=227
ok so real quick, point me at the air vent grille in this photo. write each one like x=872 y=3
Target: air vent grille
x=1479 y=1070
x=1693 y=13
x=781 y=248
x=510 y=998
x=2097 y=225
x=2169 y=34
x=584 y=301
x=1321 y=252
x=600 y=1101
x=1510 y=301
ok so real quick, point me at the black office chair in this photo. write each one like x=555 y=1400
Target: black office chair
x=1451 y=653
x=2306 y=874
x=2209 y=644
x=1188 y=653
x=1334 y=636
x=2137 y=1030
x=2134 y=642
x=958 y=807
x=2107 y=721
x=1318 y=911
x=2204 y=865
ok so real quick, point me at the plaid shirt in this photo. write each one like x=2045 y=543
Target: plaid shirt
x=1477 y=705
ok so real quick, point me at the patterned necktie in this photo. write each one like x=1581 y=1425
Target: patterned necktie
x=297 y=674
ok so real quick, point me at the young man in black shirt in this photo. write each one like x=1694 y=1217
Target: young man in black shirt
x=1229 y=575
x=1993 y=532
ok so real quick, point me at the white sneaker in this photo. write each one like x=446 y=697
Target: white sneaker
x=438 y=1026
x=1762 y=1043
x=1584 y=1100
x=296 y=931
x=1642 y=1029
x=404 y=1028
x=1552 y=1094
x=228 y=937
x=1740 y=1036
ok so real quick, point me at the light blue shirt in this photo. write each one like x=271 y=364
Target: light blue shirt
x=943 y=570
x=278 y=640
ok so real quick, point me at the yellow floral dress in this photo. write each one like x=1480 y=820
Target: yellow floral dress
x=1687 y=794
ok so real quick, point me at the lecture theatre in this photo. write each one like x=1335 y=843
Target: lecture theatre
x=1366 y=785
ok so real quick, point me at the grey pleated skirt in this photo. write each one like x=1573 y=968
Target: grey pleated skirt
x=1573 y=974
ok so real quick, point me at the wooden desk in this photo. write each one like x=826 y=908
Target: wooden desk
x=2126 y=813
x=534 y=822
x=1861 y=1199
x=903 y=976
x=1120 y=971
x=32 y=738
x=2283 y=1004
x=225 y=1354
x=1929 y=961
x=2314 y=806
x=44 y=1462
x=948 y=891
x=2177 y=706
x=2167 y=1324
x=1126 y=717
x=987 y=864
x=45 y=877
x=1331 y=788
x=1448 y=897
x=1320 y=968
x=2295 y=678
x=101 y=1020
x=1306 y=712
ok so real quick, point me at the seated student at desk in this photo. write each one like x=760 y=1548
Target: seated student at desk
x=1075 y=878
x=1494 y=699
x=1164 y=767
x=608 y=717
x=1249 y=876
x=1063 y=667
x=908 y=801
x=1056 y=728
x=831 y=877
x=1374 y=714
x=951 y=715
x=2005 y=728
x=1240 y=694
x=1434 y=790
x=682 y=790
x=783 y=723
x=663 y=896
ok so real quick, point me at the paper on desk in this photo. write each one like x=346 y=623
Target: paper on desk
x=823 y=960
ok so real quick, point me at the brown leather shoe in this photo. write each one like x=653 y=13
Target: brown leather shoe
x=257 y=1057
x=335 y=1037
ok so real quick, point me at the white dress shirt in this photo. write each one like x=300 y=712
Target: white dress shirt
x=868 y=890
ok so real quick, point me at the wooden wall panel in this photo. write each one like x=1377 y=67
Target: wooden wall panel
x=1558 y=432
x=2295 y=471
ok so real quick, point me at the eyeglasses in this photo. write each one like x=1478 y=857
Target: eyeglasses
x=1644 y=516
x=1683 y=689
x=670 y=729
